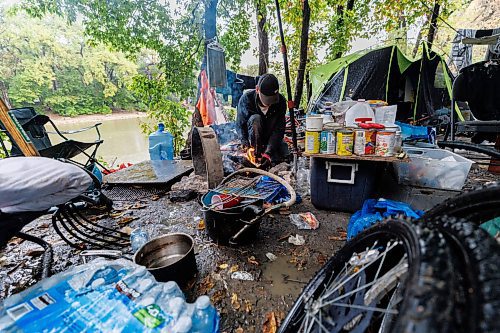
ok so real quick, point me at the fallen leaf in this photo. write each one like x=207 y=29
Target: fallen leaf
x=233 y=269
x=337 y=238
x=201 y=225
x=248 y=306
x=138 y=205
x=35 y=252
x=117 y=215
x=126 y=230
x=16 y=241
x=218 y=296
x=239 y=330
x=223 y=266
x=322 y=259
x=155 y=197
x=252 y=261
x=126 y=219
x=206 y=285
x=270 y=325
x=43 y=226
x=234 y=301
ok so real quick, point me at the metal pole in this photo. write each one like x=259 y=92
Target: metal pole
x=287 y=80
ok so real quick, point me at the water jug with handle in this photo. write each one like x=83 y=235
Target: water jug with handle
x=161 y=144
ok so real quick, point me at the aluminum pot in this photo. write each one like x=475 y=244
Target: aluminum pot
x=169 y=258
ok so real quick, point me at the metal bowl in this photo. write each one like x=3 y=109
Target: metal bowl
x=169 y=258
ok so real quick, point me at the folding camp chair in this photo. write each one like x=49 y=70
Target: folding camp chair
x=34 y=126
x=477 y=85
x=69 y=222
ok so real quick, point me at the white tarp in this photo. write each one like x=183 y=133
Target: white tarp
x=38 y=183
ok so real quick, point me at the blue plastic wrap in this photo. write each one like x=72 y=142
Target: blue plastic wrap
x=374 y=210
x=101 y=296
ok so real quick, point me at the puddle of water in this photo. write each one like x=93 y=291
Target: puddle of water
x=277 y=270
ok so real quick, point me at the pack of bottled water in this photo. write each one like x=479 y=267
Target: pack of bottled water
x=106 y=296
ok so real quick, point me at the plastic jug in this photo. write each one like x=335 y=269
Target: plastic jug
x=161 y=144
x=359 y=110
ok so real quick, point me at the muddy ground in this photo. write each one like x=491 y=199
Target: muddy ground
x=245 y=306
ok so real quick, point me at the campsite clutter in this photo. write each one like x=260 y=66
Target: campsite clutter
x=213 y=243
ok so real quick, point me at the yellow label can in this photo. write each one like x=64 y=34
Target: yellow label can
x=312 y=142
x=345 y=143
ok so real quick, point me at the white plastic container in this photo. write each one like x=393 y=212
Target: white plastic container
x=359 y=110
x=314 y=123
x=434 y=168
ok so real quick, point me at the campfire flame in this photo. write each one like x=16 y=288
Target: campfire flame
x=251 y=155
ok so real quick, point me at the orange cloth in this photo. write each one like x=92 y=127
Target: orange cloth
x=206 y=103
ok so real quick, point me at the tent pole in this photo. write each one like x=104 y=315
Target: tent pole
x=288 y=85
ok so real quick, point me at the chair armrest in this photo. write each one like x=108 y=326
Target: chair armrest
x=62 y=133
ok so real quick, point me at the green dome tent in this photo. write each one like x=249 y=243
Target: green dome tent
x=420 y=87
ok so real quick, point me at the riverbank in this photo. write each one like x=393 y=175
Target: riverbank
x=96 y=118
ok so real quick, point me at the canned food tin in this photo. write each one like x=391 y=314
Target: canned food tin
x=345 y=142
x=331 y=147
x=359 y=142
x=385 y=143
x=370 y=141
x=323 y=145
x=312 y=142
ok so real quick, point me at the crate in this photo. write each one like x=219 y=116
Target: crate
x=342 y=185
x=434 y=168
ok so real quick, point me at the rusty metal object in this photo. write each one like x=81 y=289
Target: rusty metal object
x=207 y=158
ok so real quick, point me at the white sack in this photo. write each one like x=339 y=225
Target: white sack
x=38 y=183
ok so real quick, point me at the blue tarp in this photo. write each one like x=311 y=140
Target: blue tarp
x=374 y=210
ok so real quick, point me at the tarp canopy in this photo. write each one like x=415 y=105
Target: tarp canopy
x=420 y=87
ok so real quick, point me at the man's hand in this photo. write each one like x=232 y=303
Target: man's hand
x=265 y=162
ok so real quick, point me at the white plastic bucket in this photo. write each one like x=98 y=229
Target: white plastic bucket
x=314 y=123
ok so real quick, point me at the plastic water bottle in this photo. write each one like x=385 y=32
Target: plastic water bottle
x=172 y=290
x=183 y=325
x=176 y=306
x=138 y=237
x=203 y=316
x=161 y=144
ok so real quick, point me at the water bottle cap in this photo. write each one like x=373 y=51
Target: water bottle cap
x=161 y=127
x=203 y=302
x=170 y=286
x=183 y=325
x=176 y=302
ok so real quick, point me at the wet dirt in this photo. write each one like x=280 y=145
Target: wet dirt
x=242 y=304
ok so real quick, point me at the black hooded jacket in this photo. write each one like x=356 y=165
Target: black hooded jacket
x=273 y=120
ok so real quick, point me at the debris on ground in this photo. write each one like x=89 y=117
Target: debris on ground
x=182 y=195
x=192 y=182
x=304 y=221
x=271 y=256
x=241 y=275
x=297 y=240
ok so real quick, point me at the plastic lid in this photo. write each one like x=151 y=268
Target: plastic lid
x=202 y=302
x=161 y=127
x=183 y=325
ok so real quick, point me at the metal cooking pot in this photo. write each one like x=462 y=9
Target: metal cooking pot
x=169 y=258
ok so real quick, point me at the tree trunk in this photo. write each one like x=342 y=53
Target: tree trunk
x=5 y=94
x=304 y=38
x=433 y=26
x=261 y=16
x=340 y=24
x=419 y=37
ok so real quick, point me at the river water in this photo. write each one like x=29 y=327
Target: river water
x=123 y=139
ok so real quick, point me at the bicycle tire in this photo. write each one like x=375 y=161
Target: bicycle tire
x=429 y=268
x=477 y=206
x=477 y=260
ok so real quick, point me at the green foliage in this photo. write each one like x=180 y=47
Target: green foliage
x=162 y=109
x=46 y=64
x=6 y=141
x=236 y=39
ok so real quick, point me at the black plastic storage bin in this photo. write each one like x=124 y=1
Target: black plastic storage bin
x=342 y=185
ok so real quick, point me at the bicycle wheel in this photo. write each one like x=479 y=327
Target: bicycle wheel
x=379 y=282
x=477 y=206
x=476 y=258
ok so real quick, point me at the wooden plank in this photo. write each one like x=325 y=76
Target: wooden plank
x=16 y=131
x=372 y=158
